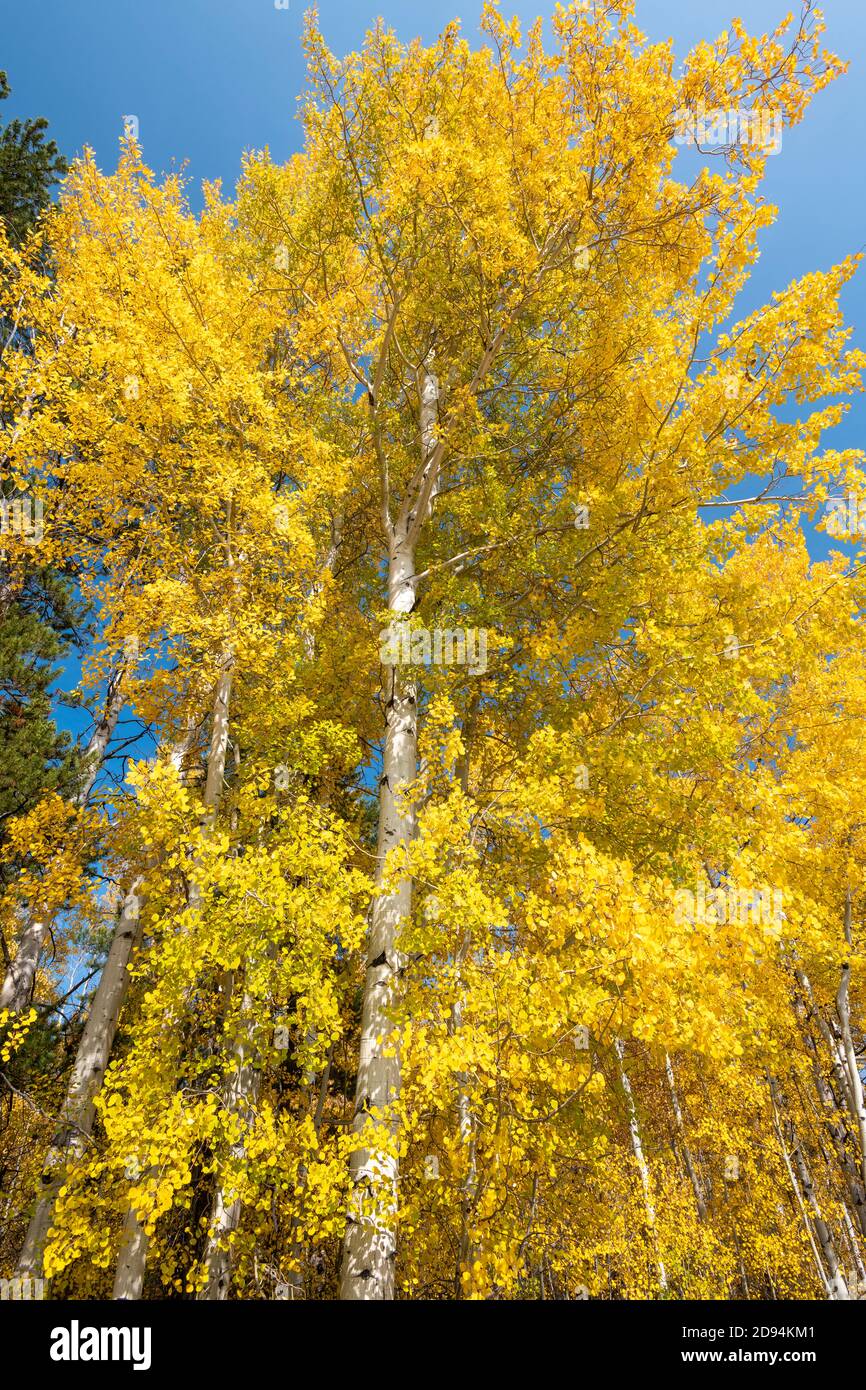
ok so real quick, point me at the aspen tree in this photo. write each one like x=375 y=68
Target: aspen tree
x=17 y=987
x=92 y=1057
x=478 y=344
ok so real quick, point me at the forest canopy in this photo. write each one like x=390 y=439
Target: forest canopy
x=484 y=916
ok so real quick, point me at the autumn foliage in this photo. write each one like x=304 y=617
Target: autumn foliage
x=525 y=970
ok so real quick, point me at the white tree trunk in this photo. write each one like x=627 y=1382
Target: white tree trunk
x=855 y=1084
x=838 y=1065
x=97 y=745
x=132 y=1261
x=837 y=1113
x=834 y=1047
x=18 y=984
x=369 y=1250
x=854 y=1247
x=240 y=1093
x=804 y=1189
x=681 y=1131
x=640 y=1159
x=94 y=1050
x=219 y=742
x=837 y=1288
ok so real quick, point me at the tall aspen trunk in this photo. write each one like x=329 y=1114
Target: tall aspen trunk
x=132 y=1261
x=833 y=1276
x=855 y=1084
x=681 y=1132
x=370 y=1247
x=240 y=1093
x=846 y=1075
x=94 y=1050
x=837 y=1286
x=77 y=1115
x=795 y=1188
x=837 y=1059
x=854 y=1247
x=840 y=1134
x=465 y=1116
x=97 y=746
x=836 y=1114
x=17 y=987
x=219 y=742
x=640 y=1159
x=369 y=1250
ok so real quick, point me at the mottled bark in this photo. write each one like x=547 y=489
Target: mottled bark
x=132 y=1262
x=370 y=1243
x=640 y=1159
x=819 y=1232
x=843 y=1011
x=240 y=1093
x=369 y=1249
x=77 y=1115
x=684 y=1148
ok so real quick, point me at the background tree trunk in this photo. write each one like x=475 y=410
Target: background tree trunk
x=640 y=1158
x=17 y=987
x=94 y=1049
x=132 y=1262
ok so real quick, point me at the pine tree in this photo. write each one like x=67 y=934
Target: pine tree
x=30 y=166
x=40 y=616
